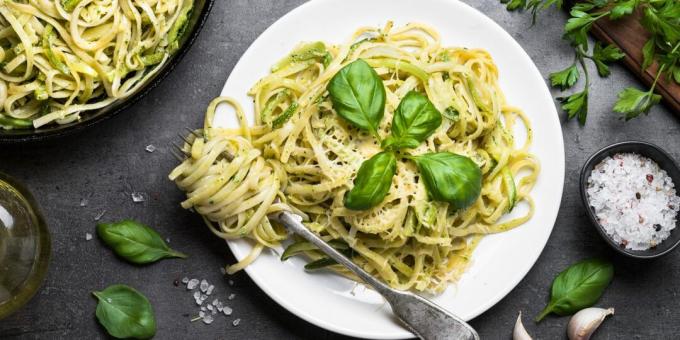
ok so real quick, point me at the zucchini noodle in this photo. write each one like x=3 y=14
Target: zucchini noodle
x=59 y=58
x=300 y=156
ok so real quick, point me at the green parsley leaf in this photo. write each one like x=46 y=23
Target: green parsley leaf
x=648 y=52
x=565 y=78
x=633 y=102
x=623 y=8
x=576 y=105
x=602 y=56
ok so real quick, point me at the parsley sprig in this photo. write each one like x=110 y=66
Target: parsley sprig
x=661 y=18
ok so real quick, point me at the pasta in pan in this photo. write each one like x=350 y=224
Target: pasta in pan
x=302 y=156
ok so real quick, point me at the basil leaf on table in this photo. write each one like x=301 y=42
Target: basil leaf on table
x=358 y=95
x=372 y=182
x=135 y=242
x=578 y=287
x=125 y=313
x=415 y=119
x=450 y=178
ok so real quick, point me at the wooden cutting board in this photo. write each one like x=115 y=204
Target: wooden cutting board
x=630 y=36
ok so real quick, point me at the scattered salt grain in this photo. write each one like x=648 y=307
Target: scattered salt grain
x=138 y=197
x=203 y=297
x=150 y=148
x=210 y=289
x=109 y=300
x=211 y=308
x=223 y=271
x=88 y=236
x=204 y=285
x=167 y=240
x=185 y=280
x=203 y=309
x=100 y=215
x=192 y=284
x=201 y=314
x=236 y=322
x=208 y=319
x=227 y=310
x=213 y=311
x=215 y=302
x=634 y=200
x=231 y=282
x=84 y=202
x=231 y=296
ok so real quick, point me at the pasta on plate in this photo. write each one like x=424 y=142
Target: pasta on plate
x=302 y=155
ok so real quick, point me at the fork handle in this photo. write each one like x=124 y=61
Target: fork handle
x=423 y=317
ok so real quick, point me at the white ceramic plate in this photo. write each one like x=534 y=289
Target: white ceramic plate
x=501 y=260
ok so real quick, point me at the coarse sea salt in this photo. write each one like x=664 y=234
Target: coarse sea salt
x=634 y=200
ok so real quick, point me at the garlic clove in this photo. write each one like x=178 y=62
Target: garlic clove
x=584 y=323
x=519 y=333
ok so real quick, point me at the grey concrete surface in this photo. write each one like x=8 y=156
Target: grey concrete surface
x=106 y=163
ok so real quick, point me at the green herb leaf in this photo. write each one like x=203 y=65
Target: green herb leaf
x=372 y=182
x=633 y=102
x=125 y=313
x=648 y=51
x=576 y=105
x=578 y=287
x=451 y=113
x=603 y=56
x=415 y=119
x=69 y=5
x=565 y=78
x=623 y=8
x=516 y=4
x=358 y=95
x=450 y=178
x=135 y=242
x=10 y=123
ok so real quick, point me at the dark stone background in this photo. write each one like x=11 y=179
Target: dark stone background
x=108 y=162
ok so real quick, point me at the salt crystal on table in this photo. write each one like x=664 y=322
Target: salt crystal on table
x=215 y=302
x=210 y=290
x=201 y=313
x=213 y=311
x=100 y=215
x=231 y=296
x=150 y=148
x=88 y=236
x=138 y=197
x=204 y=285
x=167 y=240
x=203 y=309
x=203 y=297
x=223 y=271
x=192 y=284
x=84 y=202
x=231 y=282
x=236 y=322
x=227 y=310
x=197 y=295
x=185 y=280
x=208 y=319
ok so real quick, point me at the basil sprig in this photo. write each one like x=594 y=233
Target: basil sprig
x=135 y=242
x=450 y=178
x=373 y=181
x=358 y=95
x=578 y=287
x=125 y=313
x=414 y=120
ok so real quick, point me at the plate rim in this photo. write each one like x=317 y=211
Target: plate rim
x=260 y=281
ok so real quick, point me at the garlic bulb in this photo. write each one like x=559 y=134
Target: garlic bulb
x=520 y=333
x=584 y=323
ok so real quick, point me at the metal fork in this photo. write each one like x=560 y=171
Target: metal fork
x=423 y=317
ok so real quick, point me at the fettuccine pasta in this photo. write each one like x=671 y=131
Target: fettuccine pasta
x=301 y=156
x=60 y=58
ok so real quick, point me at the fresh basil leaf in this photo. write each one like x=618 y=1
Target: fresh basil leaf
x=578 y=287
x=566 y=78
x=576 y=106
x=125 y=313
x=135 y=242
x=450 y=178
x=633 y=102
x=358 y=95
x=372 y=182
x=415 y=119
